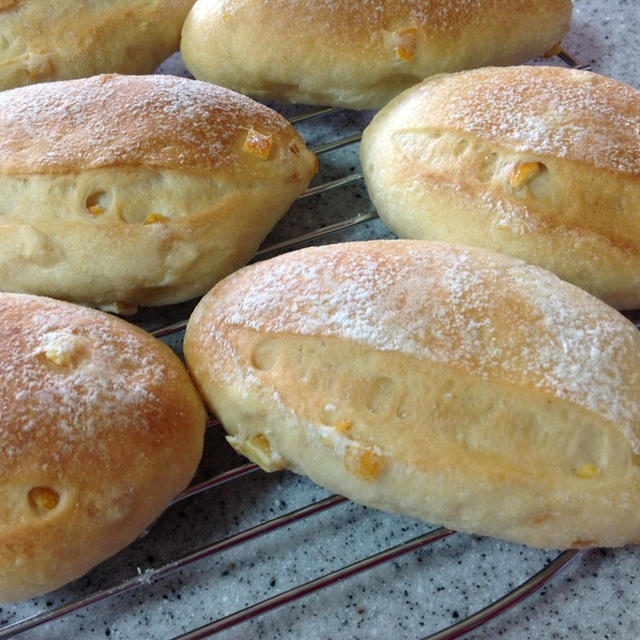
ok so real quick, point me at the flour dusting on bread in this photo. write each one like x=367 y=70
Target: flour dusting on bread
x=365 y=295
x=537 y=162
x=101 y=428
x=69 y=370
x=122 y=191
x=450 y=383
x=111 y=120
x=587 y=118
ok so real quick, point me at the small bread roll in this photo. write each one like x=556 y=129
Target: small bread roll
x=101 y=427
x=119 y=191
x=453 y=384
x=44 y=40
x=359 y=54
x=541 y=163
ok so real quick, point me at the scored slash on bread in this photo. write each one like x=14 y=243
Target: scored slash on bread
x=538 y=162
x=120 y=191
x=450 y=383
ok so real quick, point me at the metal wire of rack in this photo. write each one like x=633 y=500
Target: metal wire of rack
x=82 y=604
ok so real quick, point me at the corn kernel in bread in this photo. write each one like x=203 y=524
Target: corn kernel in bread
x=45 y=40
x=453 y=384
x=541 y=163
x=119 y=191
x=359 y=54
x=101 y=427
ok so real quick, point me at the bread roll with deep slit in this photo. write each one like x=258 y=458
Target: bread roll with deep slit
x=541 y=163
x=449 y=383
x=123 y=191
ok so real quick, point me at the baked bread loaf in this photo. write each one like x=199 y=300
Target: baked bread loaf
x=359 y=54
x=44 y=40
x=446 y=382
x=101 y=427
x=119 y=191
x=541 y=163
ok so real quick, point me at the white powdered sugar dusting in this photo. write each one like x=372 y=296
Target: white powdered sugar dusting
x=113 y=120
x=550 y=111
x=493 y=316
x=508 y=215
x=72 y=377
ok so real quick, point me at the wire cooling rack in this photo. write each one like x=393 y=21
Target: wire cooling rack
x=154 y=581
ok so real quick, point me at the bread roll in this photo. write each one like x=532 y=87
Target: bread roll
x=541 y=163
x=450 y=383
x=44 y=40
x=101 y=427
x=119 y=191
x=359 y=54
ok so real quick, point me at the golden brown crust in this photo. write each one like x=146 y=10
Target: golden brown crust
x=541 y=163
x=42 y=41
x=145 y=190
x=101 y=428
x=360 y=54
x=154 y=121
x=446 y=382
x=577 y=116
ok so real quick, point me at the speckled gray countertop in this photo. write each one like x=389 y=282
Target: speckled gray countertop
x=596 y=596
